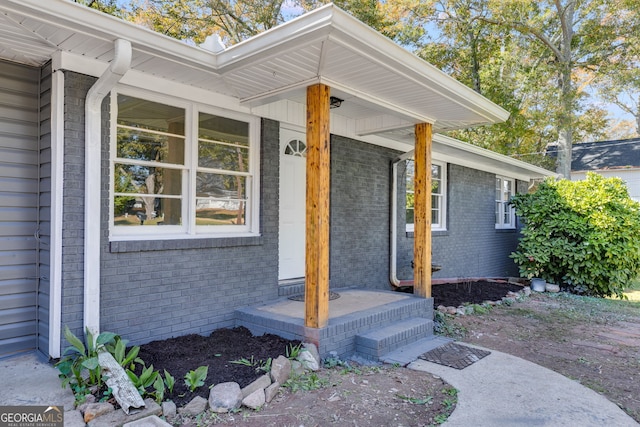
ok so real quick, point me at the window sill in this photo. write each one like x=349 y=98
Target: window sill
x=123 y=246
x=411 y=234
x=506 y=230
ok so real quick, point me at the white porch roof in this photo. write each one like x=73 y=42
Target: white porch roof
x=384 y=87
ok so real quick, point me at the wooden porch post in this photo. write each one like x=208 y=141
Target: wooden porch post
x=316 y=298
x=422 y=212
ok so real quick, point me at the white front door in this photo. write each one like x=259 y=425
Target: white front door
x=293 y=163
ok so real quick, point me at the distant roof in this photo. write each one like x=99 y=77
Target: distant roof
x=618 y=154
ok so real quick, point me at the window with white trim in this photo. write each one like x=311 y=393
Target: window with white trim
x=181 y=169
x=505 y=213
x=438 y=195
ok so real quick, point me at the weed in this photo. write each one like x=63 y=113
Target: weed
x=444 y=325
x=416 y=401
x=169 y=381
x=440 y=418
x=244 y=361
x=306 y=382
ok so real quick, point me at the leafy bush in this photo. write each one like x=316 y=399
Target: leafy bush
x=580 y=234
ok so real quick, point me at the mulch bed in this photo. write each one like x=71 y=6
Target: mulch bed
x=182 y=354
x=476 y=292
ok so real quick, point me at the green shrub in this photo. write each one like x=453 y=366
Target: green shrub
x=583 y=235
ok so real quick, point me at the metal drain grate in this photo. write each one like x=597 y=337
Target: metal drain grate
x=300 y=297
x=454 y=355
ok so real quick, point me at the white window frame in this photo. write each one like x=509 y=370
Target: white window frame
x=502 y=207
x=188 y=229
x=441 y=225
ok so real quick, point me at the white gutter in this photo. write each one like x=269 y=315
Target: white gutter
x=393 y=274
x=57 y=177
x=93 y=132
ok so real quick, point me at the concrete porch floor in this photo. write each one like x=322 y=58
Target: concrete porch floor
x=364 y=322
x=351 y=301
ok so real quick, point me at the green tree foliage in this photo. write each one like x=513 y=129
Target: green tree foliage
x=580 y=234
x=539 y=60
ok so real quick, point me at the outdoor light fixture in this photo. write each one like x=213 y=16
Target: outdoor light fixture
x=335 y=102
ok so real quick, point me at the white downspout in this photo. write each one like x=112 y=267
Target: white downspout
x=393 y=275
x=93 y=176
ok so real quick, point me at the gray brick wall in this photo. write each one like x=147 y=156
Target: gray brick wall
x=157 y=289
x=360 y=195
x=471 y=246
x=75 y=90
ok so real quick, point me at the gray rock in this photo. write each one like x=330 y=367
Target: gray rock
x=271 y=391
x=280 y=369
x=550 y=287
x=225 y=397
x=307 y=359
x=197 y=406
x=526 y=290
x=452 y=310
x=311 y=348
x=169 y=410
x=259 y=384
x=442 y=309
x=73 y=419
x=93 y=410
x=152 y=421
x=461 y=311
x=118 y=418
x=255 y=400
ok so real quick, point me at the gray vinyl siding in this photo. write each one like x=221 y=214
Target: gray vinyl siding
x=44 y=206
x=471 y=246
x=18 y=206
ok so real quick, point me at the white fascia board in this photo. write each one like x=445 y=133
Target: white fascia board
x=138 y=79
x=81 y=19
x=486 y=160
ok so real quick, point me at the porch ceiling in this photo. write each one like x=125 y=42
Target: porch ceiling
x=386 y=89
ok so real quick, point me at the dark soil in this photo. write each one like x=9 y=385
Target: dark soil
x=182 y=354
x=477 y=292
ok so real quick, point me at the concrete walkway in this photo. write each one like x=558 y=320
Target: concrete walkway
x=28 y=380
x=498 y=390
x=503 y=390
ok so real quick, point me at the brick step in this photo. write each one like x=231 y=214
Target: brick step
x=376 y=343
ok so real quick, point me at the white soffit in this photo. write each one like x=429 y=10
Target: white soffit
x=384 y=87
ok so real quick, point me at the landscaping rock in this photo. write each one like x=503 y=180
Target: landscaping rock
x=550 y=287
x=526 y=291
x=94 y=410
x=442 y=309
x=259 y=384
x=197 y=405
x=73 y=419
x=280 y=370
x=308 y=358
x=118 y=418
x=461 y=311
x=452 y=310
x=169 y=410
x=255 y=400
x=225 y=397
x=271 y=391
x=311 y=348
x=152 y=421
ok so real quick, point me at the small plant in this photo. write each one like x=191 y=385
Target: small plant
x=244 y=361
x=194 y=379
x=265 y=366
x=126 y=359
x=158 y=389
x=293 y=351
x=169 y=381
x=145 y=380
x=80 y=360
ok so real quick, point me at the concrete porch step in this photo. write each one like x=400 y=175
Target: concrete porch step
x=376 y=343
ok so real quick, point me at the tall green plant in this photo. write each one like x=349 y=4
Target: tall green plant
x=580 y=234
